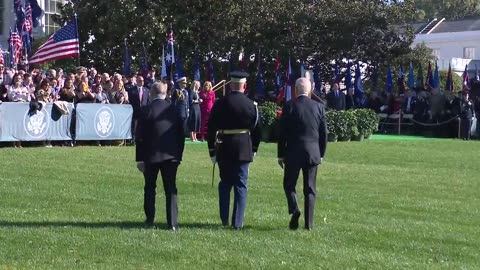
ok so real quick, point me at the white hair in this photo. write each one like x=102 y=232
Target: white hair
x=159 y=89
x=303 y=86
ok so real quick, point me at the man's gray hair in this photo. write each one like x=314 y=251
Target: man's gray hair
x=303 y=86
x=159 y=89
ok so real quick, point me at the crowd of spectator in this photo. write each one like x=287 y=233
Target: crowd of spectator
x=88 y=86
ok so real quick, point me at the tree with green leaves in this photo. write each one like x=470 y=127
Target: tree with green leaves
x=318 y=31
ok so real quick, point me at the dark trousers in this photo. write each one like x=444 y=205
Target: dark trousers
x=465 y=128
x=168 y=169
x=233 y=174
x=309 y=189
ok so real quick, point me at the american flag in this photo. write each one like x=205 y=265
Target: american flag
x=28 y=18
x=16 y=47
x=2 y=61
x=62 y=44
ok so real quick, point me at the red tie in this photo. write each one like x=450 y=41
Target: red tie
x=140 y=94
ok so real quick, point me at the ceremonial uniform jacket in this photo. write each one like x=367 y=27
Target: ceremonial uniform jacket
x=181 y=101
x=237 y=114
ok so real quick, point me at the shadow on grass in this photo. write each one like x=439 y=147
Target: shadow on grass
x=118 y=224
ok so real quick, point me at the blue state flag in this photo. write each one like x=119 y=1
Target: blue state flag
x=336 y=74
x=126 y=61
x=196 y=69
x=359 y=93
x=178 y=69
x=260 y=83
x=389 y=82
x=348 y=76
x=436 y=77
x=420 y=83
x=411 y=77
x=144 y=65
x=317 y=80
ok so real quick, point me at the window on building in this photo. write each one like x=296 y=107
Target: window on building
x=469 y=53
x=51 y=8
x=436 y=53
x=2 y=9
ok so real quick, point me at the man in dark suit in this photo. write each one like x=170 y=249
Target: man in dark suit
x=138 y=96
x=301 y=146
x=233 y=140
x=160 y=142
x=336 y=98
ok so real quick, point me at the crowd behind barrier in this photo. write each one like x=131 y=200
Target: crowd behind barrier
x=419 y=111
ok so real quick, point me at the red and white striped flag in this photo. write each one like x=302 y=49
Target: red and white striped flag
x=16 y=46
x=62 y=44
x=2 y=61
x=28 y=18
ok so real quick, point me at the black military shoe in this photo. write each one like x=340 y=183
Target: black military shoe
x=294 y=220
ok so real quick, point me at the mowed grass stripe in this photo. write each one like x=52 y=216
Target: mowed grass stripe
x=380 y=205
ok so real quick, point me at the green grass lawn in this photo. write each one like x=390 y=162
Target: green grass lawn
x=381 y=205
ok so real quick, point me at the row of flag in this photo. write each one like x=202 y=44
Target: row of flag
x=20 y=39
x=172 y=66
x=432 y=80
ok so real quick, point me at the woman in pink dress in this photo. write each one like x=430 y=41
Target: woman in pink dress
x=207 y=96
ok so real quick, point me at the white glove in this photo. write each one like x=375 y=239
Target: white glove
x=214 y=159
x=141 y=166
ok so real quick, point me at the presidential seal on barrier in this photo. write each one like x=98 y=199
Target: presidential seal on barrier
x=104 y=122
x=36 y=125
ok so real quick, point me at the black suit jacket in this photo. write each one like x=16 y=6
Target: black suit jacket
x=413 y=102
x=350 y=102
x=134 y=98
x=336 y=102
x=160 y=135
x=303 y=132
x=234 y=111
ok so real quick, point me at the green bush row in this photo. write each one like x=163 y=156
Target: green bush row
x=342 y=125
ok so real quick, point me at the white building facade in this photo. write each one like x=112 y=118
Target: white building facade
x=8 y=19
x=453 y=42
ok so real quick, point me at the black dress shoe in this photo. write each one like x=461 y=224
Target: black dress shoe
x=308 y=228
x=237 y=228
x=294 y=220
x=148 y=225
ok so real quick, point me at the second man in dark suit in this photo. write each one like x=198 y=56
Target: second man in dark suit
x=160 y=142
x=138 y=95
x=336 y=98
x=302 y=145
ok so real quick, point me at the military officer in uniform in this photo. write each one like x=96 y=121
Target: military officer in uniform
x=301 y=146
x=181 y=100
x=233 y=140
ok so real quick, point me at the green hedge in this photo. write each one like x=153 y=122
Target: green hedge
x=342 y=125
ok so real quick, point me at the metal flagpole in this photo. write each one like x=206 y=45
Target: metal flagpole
x=78 y=37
